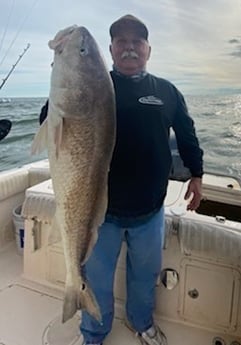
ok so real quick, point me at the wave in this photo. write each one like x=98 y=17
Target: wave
x=25 y=121
x=18 y=138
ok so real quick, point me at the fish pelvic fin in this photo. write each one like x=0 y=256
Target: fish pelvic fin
x=80 y=298
x=39 y=143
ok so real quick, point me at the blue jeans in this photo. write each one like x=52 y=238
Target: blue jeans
x=143 y=264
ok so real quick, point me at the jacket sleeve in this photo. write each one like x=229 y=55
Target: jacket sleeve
x=187 y=141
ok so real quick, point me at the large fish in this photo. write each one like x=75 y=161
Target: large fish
x=80 y=134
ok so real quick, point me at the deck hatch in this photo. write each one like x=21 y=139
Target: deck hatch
x=217 y=294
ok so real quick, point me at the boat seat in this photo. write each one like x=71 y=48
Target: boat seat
x=13 y=185
x=207 y=237
x=39 y=202
x=13 y=182
x=38 y=172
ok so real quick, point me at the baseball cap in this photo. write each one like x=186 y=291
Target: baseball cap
x=129 y=21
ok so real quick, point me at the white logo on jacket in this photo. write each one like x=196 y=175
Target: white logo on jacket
x=151 y=100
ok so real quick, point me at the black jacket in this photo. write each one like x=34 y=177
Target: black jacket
x=141 y=161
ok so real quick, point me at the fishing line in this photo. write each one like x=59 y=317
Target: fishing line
x=19 y=30
x=8 y=21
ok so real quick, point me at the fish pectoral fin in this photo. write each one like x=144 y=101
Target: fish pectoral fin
x=39 y=143
x=83 y=299
x=58 y=136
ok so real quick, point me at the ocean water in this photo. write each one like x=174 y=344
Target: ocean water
x=15 y=148
x=217 y=121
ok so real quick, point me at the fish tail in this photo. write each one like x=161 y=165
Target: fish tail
x=70 y=303
x=83 y=299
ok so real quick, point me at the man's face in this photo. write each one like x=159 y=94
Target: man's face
x=129 y=52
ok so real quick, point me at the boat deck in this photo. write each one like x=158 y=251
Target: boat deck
x=30 y=314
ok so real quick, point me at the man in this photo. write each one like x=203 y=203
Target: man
x=147 y=107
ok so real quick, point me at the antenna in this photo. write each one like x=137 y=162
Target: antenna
x=14 y=65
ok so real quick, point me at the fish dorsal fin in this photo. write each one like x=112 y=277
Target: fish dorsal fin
x=39 y=143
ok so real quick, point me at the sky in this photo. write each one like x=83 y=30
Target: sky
x=195 y=44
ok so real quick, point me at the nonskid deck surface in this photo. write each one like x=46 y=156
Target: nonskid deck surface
x=31 y=315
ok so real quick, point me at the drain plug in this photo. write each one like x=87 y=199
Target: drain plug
x=219 y=341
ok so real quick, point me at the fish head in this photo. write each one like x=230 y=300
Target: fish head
x=76 y=53
x=79 y=69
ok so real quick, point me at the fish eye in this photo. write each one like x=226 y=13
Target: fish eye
x=83 y=51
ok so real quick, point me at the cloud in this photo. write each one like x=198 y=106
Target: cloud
x=237 y=43
x=237 y=52
x=196 y=45
x=233 y=41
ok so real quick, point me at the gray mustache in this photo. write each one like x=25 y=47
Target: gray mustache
x=130 y=54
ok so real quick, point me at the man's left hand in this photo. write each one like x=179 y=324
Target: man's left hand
x=194 y=190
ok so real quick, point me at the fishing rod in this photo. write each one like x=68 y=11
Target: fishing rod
x=14 y=65
x=5 y=125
